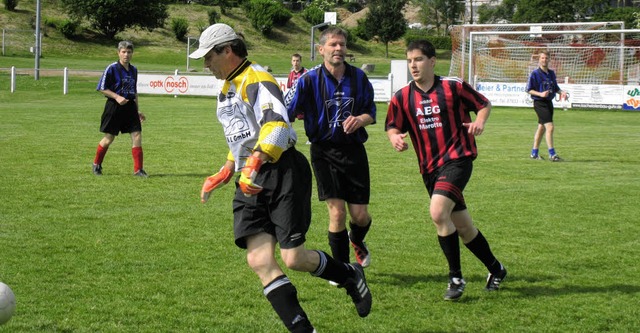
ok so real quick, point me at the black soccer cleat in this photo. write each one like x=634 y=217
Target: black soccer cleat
x=97 y=169
x=537 y=157
x=454 y=289
x=141 y=173
x=493 y=280
x=357 y=288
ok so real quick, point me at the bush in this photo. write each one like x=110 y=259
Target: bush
x=360 y=30
x=68 y=28
x=352 y=37
x=213 y=16
x=180 y=27
x=263 y=14
x=313 y=14
x=10 y=5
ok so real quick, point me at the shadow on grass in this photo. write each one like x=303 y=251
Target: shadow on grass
x=409 y=280
x=543 y=291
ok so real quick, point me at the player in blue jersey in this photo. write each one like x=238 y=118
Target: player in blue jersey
x=272 y=203
x=121 y=114
x=543 y=86
x=336 y=101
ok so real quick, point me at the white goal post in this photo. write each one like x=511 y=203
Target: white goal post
x=460 y=36
x=584 y=56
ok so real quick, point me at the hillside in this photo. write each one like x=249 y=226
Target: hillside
x=160 y=49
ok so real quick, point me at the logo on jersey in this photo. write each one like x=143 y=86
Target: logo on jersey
x=235 y=124
x=339 y=109
x=428 y=116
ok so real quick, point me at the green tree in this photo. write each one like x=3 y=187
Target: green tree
x=113 y=16
x=542 y=11
x=492 y=13
x=440 y=13
x=626 y=14
x=386 y=21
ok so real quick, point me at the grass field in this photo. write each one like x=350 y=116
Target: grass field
x=121 y=254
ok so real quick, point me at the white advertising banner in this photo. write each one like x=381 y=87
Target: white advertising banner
x=505 y=94
x=592 y=96
x=208 y=85
x=203 y=85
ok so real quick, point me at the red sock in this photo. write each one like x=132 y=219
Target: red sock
x=100 y=152
x=136 y=152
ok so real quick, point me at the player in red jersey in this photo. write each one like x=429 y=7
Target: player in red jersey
x=435 y=112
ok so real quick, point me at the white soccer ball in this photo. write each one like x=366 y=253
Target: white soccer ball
x=7 y=303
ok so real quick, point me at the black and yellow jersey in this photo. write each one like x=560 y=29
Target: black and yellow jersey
x=253 y=116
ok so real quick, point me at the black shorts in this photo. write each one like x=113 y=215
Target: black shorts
x=544 y=110
x=282 y=209
x=342 y=172
x=118 y=118
x=450 y=180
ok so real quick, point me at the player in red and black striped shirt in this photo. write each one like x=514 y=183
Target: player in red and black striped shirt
x=435 y=112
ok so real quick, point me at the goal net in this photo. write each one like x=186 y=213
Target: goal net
x=586 y=52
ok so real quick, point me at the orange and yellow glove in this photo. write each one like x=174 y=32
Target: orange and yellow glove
x=248 y=175
x=214 y=181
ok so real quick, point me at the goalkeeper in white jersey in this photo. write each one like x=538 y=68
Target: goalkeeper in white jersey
x=272 y=203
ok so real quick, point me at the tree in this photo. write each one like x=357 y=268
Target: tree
x=113 y=16
x=542 y=11
x=627 y=14
x=492 y=13
x=440 y=13
x=386 y=21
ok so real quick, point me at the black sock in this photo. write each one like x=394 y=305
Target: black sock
x=451 y=248
x=283 y=297
x=480 y=248
x=339 y=244
x=358 y=233
x=331 y=269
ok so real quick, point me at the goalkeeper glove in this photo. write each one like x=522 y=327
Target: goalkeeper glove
x=214 y=181
x=248 y=175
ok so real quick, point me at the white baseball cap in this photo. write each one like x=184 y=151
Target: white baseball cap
x=213 y=36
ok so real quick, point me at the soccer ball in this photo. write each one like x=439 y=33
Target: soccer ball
x=7 y=303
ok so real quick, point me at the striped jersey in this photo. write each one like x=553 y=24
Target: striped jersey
x=434 y=120
x=252 y=114
x=293 y=76
x=540 y=81
x=326 y=102
x=119 y=80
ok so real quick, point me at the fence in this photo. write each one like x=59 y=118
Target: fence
x=19 y=42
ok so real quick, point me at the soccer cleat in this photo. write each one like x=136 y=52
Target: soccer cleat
x=537 y=157
x=97 y=169
x=455 y=289
x=141 y=173
x=335 y=284
x=357 y=288
x=362 y=253
x=555 y=158
x=493 y=281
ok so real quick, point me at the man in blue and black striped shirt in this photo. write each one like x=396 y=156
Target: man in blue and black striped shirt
x=118 y=84
x=336 y=101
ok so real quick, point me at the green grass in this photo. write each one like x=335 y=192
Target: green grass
x=121 y=254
